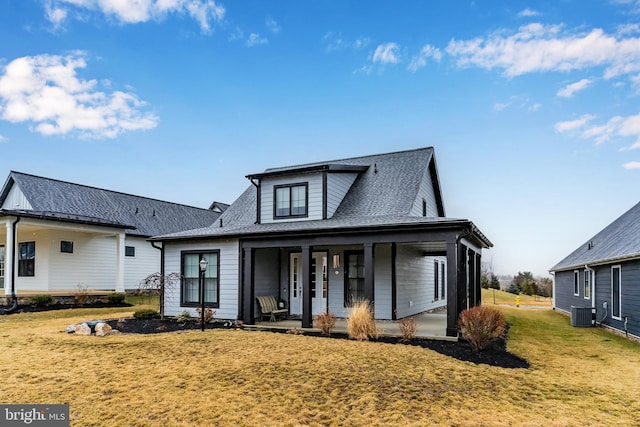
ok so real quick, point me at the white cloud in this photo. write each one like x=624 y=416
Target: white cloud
x=131 y=12
x=616 y=128
x=272 y=25
x=570 y=89
x=518 y=102
x=255 y=39
x=46 y=91
x=572 y=125
x=386 y=54
x=527 y=13
x=336 y=42
x=631 y=165
x=3 y=139
x=540 y=48
x=420 y=60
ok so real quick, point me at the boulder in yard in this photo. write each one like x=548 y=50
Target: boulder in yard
x=83 y=329
x=102 y=329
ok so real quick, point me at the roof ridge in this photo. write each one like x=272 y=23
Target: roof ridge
x=105 y=189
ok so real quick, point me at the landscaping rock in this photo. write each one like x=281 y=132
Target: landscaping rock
x=102 y=329
x=83 y=329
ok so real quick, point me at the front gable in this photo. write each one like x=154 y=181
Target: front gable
x=12 y=197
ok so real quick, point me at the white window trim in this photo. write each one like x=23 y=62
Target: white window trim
x=619 y=267
x=588 y=273
x=576 y=283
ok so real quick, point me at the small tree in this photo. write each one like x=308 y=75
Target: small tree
x=160 y=283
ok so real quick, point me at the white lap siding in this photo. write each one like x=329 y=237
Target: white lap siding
x=415 y=281
x=227 y=281
x=382 y=281
x=145 y=262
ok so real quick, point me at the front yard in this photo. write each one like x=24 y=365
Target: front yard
x=234 y=377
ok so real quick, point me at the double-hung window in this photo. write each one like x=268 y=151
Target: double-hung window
x=27 y=259
x=587 y=284
x=615 y=292
x=193 y=279
x=354 y=279
x=576 y=283
x=290 y=201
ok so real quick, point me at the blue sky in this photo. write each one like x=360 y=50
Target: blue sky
x=533 y=107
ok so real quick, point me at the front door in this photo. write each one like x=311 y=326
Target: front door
x=1 y=267
x=319 y=284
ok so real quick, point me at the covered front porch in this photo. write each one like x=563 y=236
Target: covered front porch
x=403 y=272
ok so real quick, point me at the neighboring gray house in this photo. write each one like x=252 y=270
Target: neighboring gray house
x=320 y=235
x=604 y=274
x=56 y=235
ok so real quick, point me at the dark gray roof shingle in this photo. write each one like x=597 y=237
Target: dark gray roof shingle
x=149 y=216
x=617 y=241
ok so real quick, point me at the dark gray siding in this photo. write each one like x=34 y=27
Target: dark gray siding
x=564 y=291
x=630 y=290
x=266 y=276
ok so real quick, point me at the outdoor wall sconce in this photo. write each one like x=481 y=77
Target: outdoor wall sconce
x=336 y=261
x=203 y=267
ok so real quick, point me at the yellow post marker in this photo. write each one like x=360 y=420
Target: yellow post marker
x=518 y=301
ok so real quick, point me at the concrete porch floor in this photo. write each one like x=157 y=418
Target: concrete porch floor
x=430 y=325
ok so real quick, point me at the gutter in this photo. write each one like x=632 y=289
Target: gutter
x=592 y=284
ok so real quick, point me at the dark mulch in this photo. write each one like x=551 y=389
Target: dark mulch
x=495 y=355
x=33 y=308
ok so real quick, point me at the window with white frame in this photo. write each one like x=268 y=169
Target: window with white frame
x=616 y=294
x=290 y=201
x=192 y=282
x=587 y=284
x=576 y=283
x=27 y=259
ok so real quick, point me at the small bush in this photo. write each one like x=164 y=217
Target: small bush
x=184 y=317
x=325 y=322
x=81 y=295
x=116 y=298
x=209 y=314
x=360 y=323
x=146 y=314
x=295 y=331
x=408 y=327
x=481 y=326
x=42 y=300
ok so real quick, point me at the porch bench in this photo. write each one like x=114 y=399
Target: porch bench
x=269 y=308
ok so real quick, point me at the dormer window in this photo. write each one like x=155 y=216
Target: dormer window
x=290 y=200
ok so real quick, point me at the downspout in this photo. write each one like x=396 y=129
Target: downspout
x=161 y=249
x=592 y=291
x=14 y=298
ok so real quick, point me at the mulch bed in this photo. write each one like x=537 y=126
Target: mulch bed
x=495 y=355
x=34 y=309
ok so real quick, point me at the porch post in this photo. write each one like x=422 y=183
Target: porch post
x=368 y=273
x=463 y=279
x=452 y=290
x=471 y=266
x=120 y=262
x=478 y=283
x=306 y=287
x=9 y=262
x=394 y=285
x=247 y=286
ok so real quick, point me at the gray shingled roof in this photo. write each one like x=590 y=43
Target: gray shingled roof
x=60 y=199
x=380 y=196
x=618 y=241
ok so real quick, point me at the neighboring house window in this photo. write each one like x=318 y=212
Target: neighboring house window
x=576 y=283
x=587 y=284
x=129 y=251
x=436 y=281
x=424 y=207
x=191 y=279
x=27 y=259
x=354 y=279
x=442 y=281
x=66 y=247
x=290 y=200
x=616 y=295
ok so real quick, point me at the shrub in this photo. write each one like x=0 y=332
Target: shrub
x=146 y=314
x=41 y=300
x=116 y=298
x=81 y=295
x=325 y=322
x=295 y=331
x=184 y=317
x=408 y=328
x=209 y=313
x=481 y=326
x=360 y=323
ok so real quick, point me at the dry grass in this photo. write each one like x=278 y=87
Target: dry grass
x=360 y=323
x=506 y=298
x=408 y=327
x=231 y=377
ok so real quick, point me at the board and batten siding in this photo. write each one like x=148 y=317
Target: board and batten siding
x=145 y=262
x=338 y=184
x=415 y=281
x=15 y=200
x=228 y=280
x=314 y=202
x=425 y=192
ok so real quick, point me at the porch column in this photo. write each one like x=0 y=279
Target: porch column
x=452 y=289
x=394 y=287
x=463 y=279
x=471 y=269
x=368 y=273
x=9 y=262
x=478 y=284
x=247 y=286
x=306 y=287
x=120 y=262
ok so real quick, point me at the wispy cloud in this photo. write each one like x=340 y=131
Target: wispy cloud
x=618 y=127
x=573 y=125
x=518 y=102
x=541 y=48
x=420 y=60
x=527 y=13
x=272 y=25
x=570 y=89
x=46 y=91
x=255 y=39
x=386 y=54
x=3 y=139
x=205 y=12
x=336 y=42
x=631 y=165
